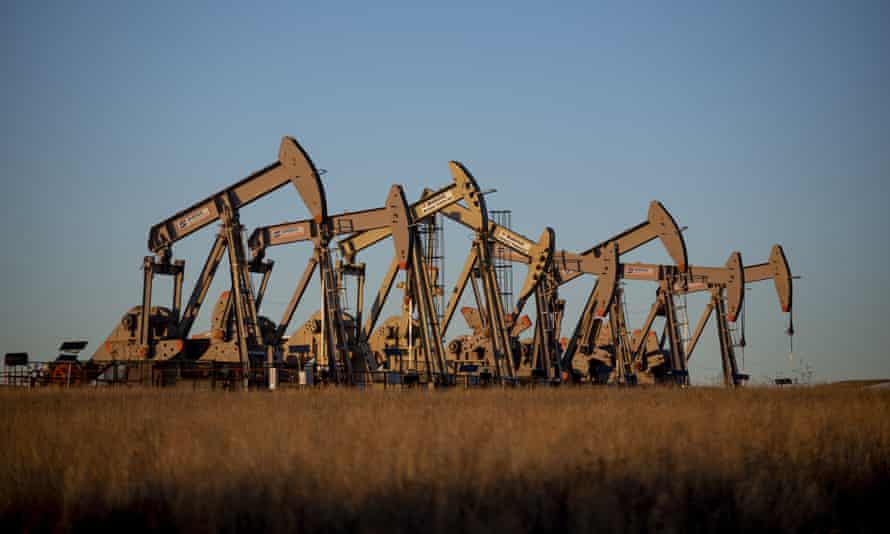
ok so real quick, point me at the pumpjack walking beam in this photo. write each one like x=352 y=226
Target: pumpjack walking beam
x=293 y=166
x=394 y=217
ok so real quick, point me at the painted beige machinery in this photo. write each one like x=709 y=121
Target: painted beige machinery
x=149 y=332
x=479 y=262
x=538 y=255
x=222 y=335
x=650 y=350
x=476 y=347
x=607 y=363
x=395 y=338
x=345 y=359
x=726 y=302
x=305 y=346
x=397 y=347
x=619 y=348
x=494 y=337
x=417 y=287
x=602 y=261
x=659 y=224
x=346 y=348
x=501 y=344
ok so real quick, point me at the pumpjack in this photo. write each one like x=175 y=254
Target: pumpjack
x=479 y=263
x=602 y=261
x=158 y=333
x=333 y=331
x=726 y=288
x=489 y=316
x=504 y=326
x=349 y=348
x=618 y=348
x=363 y=234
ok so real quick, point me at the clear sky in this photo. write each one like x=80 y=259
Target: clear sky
x=753 y=122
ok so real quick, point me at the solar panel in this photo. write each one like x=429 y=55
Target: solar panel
x=72 y=346
x=15 y=358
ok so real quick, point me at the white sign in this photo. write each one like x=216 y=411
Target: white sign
x=512 y=241
x=192 y=218
x=630 y=271
x=436 y=203
x=295 y=230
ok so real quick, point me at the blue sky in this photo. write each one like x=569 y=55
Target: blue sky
x=754 y=123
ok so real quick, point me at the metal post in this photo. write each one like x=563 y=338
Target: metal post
x=273 y=371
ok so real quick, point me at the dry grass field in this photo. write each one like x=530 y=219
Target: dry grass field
x=502 y=460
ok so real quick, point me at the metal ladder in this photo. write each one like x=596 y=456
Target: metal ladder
x=545 y=327
x=681 y=306
x=727 y=333
x=737 y=342
x=623 y=338
x=677 y=324
x=333 y=315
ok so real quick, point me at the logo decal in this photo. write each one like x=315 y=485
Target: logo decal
x=436 y=203
x=629 y=270
x=512 y=241
x=192 y=218
x=294 y=230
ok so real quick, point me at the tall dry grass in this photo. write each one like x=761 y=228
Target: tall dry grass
x=501 y=460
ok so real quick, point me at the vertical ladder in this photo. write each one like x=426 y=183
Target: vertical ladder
x=503 y=266
x=432 y=237
x=682 y=310
x=731 y=376
x=545 y=336
x=333 y=332
x=421 y=293
x=620 y=337
x=674 y=327
x=729 y=342
x=736 y=336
